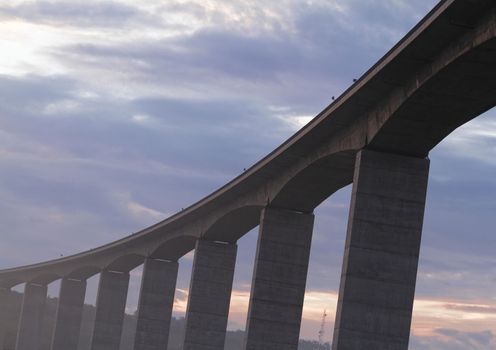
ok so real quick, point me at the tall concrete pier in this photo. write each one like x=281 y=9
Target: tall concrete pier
x=279 y=280
x=155 y=304
x=209 y=295
x=32 y=313
x=4 y=317
x=376 y=136
x=69 y=314
x=110 y=307
x=381 y=254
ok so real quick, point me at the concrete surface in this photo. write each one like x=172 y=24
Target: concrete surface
x=158 y=285
x=69 y=314
x=110 y=308
x=279 y=280
x=4 y=300
x=31 y=321
x=381 y=254
x=209 y=295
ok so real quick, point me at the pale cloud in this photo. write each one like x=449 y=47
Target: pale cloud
x=138 y=211
x=238 y=309
x=317 y=301
x=429 y=315
x=432 y=314
x=141 y=119
x=474 y=140
x=62 y=107
x=252 y=17
x=288 y=27
x=180 y=302
x=295 y=122
x=452 y=339
x=24 y=48
x=137 y=273
x=189 y=256
x=478 y=309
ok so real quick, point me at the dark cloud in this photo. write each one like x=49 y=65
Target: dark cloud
x=458 y=243
x=450 y=339
x=300 y=68
x=95 y=161
x=80 y=14
x=483 y=338
x=21 y=94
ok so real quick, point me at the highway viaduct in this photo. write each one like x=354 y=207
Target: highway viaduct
x=377 y=136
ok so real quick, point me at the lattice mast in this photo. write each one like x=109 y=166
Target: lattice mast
x=322 y=328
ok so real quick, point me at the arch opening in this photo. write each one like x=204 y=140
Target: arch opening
x=174 y=248
x=234 y=224
x=126 y=263
x=315 y=183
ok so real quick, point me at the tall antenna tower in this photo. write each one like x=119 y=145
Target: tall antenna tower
x=322 y=328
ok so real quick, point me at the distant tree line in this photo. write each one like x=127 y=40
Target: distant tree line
x=234 y=339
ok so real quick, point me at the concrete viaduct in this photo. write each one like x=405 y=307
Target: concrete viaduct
x=377 y=136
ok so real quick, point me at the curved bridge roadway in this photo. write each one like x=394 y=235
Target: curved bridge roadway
x=377 y=135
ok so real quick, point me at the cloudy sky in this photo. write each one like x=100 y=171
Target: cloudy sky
x=116 y=114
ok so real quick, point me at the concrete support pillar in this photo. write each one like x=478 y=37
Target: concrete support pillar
x=4 y=301
x=156 y=300
x=31 y=321
x=110 y=308
x=209 y=295
x=381 y=254
x=279 y=279
x=69 y=314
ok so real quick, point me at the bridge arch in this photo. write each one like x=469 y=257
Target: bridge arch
x=316 y=182
x=84 y=272
x=45 y=278
x=458 y=86
x=234 y=224
x=126 y=263
x=173 y=249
